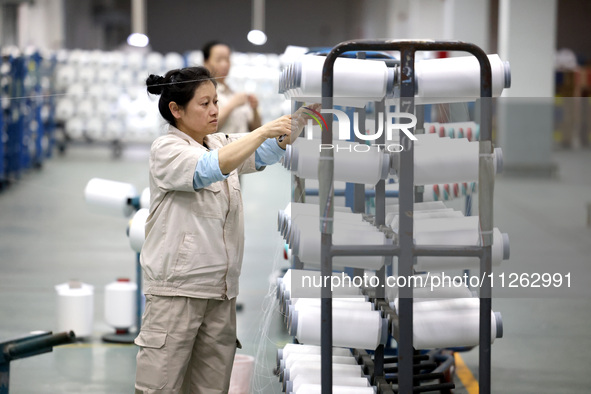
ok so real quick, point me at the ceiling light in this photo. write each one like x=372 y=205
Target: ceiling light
x=257 y=37
x=138 y=40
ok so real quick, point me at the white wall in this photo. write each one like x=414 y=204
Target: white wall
x=8 y=33
x=41 y=24
x=527 y=39
x=375 y=17
x=467 y=20
x=398 y=19
x=411 y=19
x=464 y=20
x=426 y=19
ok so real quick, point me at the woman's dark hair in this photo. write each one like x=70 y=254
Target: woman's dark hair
x=178 y=86
x=206 y=49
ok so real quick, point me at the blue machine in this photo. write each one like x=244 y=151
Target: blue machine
x=27 y=119
x=2 y=170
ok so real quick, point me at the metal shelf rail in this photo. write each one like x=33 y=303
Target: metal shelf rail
x=405 y=249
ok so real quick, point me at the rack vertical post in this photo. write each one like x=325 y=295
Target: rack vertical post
x=406 y=223
x=326 y=207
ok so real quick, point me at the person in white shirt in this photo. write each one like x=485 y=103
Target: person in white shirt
x=238 y=111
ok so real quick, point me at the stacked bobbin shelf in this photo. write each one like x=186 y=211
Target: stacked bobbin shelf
x=26 y=117
x=102 y=97
x=402 y=244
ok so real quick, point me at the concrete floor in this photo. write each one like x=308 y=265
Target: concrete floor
x=47 y=237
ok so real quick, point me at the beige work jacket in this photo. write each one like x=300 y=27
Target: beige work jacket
x=194 y=239
x=237 y=120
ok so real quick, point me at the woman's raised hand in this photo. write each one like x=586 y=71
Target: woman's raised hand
x=300 y=118
x=278 y=127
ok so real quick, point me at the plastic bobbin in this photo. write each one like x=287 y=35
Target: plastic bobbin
x=289 y=236
x=285 y=310
x=293 y=238
x=145 y=198
x=287 y=156
x=285 y=228
x=499 y=158
x=280 y=217
x=121 y=334
x=506 y=246
x=499 y=323
x=120 y=331
x=293 y=326
x=293 y=163
x=289 y=310
x=279 y=283
x=391 y=83
x=285 y=307
x=286 y=297
x=384 y=333
x=507 y=69
x=298 y=74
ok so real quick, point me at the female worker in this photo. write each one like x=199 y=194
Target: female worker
x=238 y=111
x=195 y=236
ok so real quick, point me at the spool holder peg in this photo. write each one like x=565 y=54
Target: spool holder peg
x=27 y=346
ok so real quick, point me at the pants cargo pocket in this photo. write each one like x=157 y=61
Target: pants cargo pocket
x=152 y=371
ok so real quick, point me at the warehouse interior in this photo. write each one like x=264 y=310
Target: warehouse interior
x=75 y=111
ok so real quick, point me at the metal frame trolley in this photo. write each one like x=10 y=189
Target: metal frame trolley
x=401 y=322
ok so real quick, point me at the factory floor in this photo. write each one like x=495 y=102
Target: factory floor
x=48 y=236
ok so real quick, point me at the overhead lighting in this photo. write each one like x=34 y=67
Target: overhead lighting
x=257 y=37
x=138 y=40
x=138 y=37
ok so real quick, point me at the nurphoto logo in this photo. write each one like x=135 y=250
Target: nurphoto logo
x=345 y=126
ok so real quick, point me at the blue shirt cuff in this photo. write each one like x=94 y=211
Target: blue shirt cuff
x=207 y=170
x=268 y=153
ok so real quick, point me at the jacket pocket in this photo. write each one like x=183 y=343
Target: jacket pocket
x=237 y=194
x=151 y=339
x=186 y=249
x=208 y=202
x=152 y=360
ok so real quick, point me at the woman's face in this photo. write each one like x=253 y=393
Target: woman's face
x=199 y=117
x=219 y=60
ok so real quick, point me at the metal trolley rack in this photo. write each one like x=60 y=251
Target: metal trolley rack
x=27 y=115
x=404 y=249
